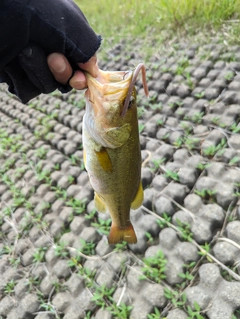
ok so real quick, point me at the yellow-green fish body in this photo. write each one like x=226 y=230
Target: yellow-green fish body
x=112 y=153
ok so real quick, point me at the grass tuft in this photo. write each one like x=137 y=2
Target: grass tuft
x=158 y=17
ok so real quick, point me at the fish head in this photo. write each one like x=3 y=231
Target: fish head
x=105 y=100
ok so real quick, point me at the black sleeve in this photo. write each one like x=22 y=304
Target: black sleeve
x=32 y=29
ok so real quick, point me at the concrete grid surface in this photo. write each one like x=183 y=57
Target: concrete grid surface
x=55 y=261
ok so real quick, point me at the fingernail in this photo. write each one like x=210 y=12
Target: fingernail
x=57 y=64
x=79 y=85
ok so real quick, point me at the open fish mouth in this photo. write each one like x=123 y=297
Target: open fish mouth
x=110 y=86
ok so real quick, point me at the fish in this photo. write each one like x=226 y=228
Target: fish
x=112 y=154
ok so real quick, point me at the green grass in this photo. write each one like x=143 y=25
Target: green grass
x=159 y=18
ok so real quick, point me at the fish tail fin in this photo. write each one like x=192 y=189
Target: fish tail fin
x=118 y=234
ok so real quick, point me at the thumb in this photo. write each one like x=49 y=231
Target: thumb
x=91 y=66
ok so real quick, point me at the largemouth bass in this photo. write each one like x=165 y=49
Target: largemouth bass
x=112 y=155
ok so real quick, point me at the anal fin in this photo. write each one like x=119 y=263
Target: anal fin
x=119 y=234
x=137 y=202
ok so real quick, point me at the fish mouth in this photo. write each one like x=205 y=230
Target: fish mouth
x=114 y=86
x=108 y=87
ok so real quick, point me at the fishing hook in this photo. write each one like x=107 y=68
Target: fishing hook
x=125 y=75
x=139 y=68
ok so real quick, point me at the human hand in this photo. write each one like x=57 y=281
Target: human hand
x=36 y=31
x=62 y=70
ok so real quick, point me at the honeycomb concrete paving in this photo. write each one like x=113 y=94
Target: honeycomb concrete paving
x=55 y=261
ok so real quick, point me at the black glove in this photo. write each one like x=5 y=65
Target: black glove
x=28 y=75
x=29 y=31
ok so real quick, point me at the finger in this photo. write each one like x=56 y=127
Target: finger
x=91 y=66
x=60 y=67
x=78 y=81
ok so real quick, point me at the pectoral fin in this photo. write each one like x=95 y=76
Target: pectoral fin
x=99 y=204
x=137 y=202
x=104 y=160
